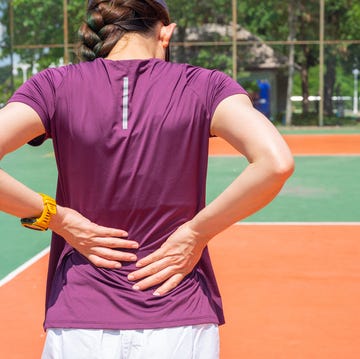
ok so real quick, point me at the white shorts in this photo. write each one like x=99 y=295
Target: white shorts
x=188 y=342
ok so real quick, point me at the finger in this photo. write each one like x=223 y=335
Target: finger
x=117 y=243
x=103 y=263
x=154 y=280
x=158 y=255
x=150 y=269
x=113 y=255
x=102 y=231
x=169 y=285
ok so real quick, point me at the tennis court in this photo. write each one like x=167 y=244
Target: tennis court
x=289 y=274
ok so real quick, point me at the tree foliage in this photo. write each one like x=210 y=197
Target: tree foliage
x=41 y=22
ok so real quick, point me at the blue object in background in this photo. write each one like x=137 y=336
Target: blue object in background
x=263 y=101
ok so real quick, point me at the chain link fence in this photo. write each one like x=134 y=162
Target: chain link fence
x=313 y=79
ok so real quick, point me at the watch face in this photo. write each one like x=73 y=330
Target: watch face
x=31 y=223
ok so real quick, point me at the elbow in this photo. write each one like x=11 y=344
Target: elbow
x=3 y=151
x=286 y=168
x=283 y=167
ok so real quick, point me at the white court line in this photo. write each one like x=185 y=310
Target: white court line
x=327 y=155
x=24 y=266
x=44 y=252
x=234 y=155
x=297 y=223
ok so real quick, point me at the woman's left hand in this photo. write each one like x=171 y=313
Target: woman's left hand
x=169 y=264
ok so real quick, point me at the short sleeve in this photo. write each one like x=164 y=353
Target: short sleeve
x=220 y=87
x=39 y=92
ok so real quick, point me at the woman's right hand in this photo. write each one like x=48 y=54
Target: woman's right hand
x=100 y=245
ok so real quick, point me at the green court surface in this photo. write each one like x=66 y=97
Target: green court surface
x=315 y=130
x=323 y=188
x=36 y=168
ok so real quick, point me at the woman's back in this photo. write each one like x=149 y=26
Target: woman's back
x=131 y=141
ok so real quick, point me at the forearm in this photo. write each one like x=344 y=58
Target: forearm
x=252 y=190
x=17 y=199
x=102 y=246
x=168 y=265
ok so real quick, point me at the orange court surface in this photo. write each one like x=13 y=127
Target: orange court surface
x=290 y=290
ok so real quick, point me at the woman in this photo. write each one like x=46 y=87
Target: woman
x=130 y=274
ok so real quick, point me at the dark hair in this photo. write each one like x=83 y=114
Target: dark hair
x=108 y=20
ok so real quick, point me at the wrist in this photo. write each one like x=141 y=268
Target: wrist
x=206 y=226
x=57 y=221
x=41 y=222
x=196 y=233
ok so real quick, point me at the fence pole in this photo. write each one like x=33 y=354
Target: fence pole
x=66 y=33
x=11 y=27
x=234 y=39
x=321 y=63
x=291 y=63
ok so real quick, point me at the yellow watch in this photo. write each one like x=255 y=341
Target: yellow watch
x=41 y=223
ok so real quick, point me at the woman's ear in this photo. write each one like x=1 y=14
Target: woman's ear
x=166 y=33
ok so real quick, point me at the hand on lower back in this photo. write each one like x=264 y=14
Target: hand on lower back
x=168 y=266
x=100 y=245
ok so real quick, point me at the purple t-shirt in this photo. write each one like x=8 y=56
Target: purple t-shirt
x=131 y=145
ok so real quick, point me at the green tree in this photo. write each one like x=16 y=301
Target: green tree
x=38 y=22
x=192 y=15
x=341 y=24
x=41 y=22
x=307 y=54
x=38 y=34
x=269 y=21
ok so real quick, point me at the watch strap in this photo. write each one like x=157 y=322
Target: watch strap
x=42 y=223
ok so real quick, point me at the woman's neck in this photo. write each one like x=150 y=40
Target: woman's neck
x=134 y=47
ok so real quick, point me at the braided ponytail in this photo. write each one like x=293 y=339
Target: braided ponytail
x=109 y=20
